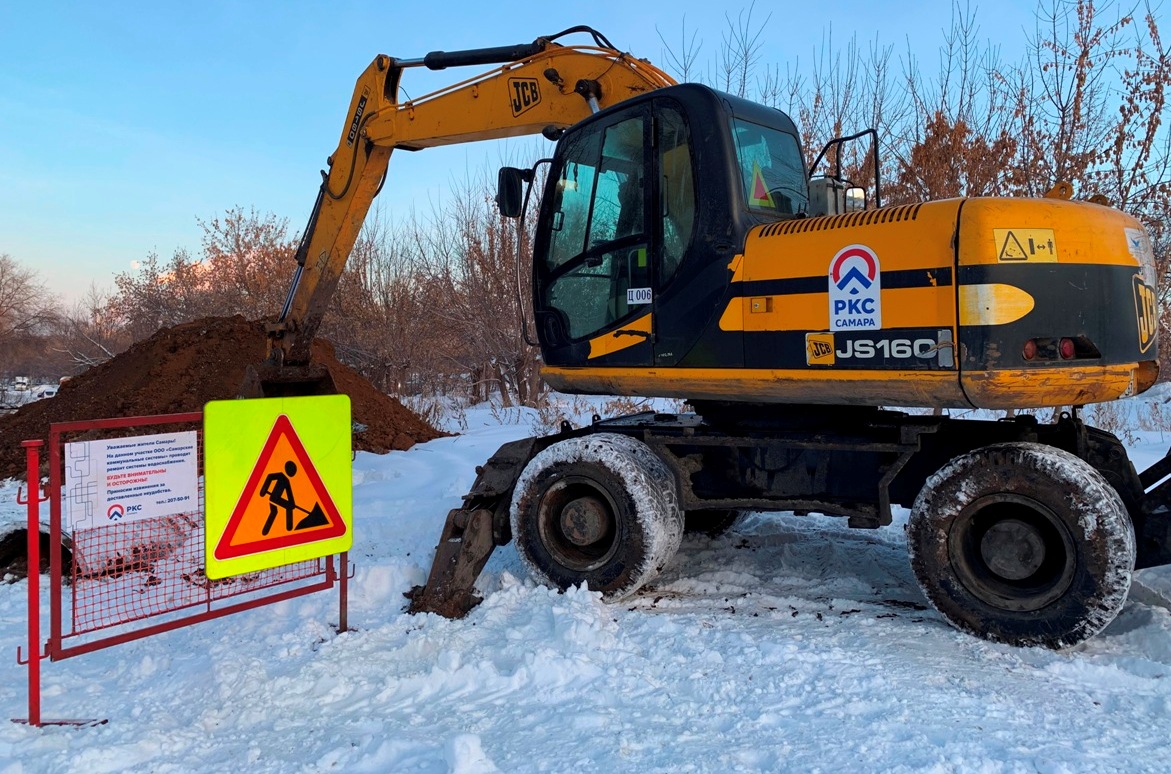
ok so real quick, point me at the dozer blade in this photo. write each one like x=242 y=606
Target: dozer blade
x=1153 y=530
x=471 y=533
x=462 y=552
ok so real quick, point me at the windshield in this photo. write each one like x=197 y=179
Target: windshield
x=771 y=169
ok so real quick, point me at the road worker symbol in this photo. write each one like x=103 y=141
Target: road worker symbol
x=279 y=491
x=282 y=509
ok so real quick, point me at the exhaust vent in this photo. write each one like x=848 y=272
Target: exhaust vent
x=869 y=217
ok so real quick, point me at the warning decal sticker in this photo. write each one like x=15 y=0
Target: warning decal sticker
x=1035 y=245
x=284 y=502
x=759 y=195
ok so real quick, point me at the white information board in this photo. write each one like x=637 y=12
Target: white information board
x=127 y=479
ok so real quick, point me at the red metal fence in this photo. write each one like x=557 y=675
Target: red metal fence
x=124 y=581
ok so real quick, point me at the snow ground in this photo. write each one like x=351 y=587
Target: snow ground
x=790 y=644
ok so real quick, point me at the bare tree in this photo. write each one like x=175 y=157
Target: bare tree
x=25 y=308
x=247 y=261
x=379 y=321
x=26 y=320
x=90 y=332
x=741 y=52
x=245 y=268
x=682 y=60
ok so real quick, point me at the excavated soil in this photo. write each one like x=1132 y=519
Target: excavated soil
x=179 y=369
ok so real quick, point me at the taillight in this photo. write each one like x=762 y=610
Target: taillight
x=1043 y=349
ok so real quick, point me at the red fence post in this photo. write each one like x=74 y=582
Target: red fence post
x=343 y=618
x=33 y=499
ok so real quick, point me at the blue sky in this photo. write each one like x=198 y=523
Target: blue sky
x=122 y=123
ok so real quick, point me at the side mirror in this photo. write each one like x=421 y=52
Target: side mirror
x=510 y=190
x=855 y=199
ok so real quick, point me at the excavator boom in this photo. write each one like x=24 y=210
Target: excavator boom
x=541 y=87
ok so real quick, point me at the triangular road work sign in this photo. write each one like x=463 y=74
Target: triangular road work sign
x=760 y=196
x=284 y=503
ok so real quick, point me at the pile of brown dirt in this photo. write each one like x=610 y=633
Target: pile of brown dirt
x=179 y=369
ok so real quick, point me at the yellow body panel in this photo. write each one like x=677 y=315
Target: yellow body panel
x=922 y=239
x=1082 y=233
x=892 y=388
x=618 y=340
x=902 y=308
x=1016 y=388
x=802 y=249
x=1057 y=386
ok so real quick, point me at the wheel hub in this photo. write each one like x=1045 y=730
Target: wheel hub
x=576 y=524
x=1013 y=549
x=1012 y=552
x=584 y=520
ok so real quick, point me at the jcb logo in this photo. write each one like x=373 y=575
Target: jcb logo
x=819 y=349
x=1144 y=307
x=524 y=94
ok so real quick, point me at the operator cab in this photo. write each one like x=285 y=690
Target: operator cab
x=646 y=205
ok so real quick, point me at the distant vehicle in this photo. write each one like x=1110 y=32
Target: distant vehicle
x=20 y=383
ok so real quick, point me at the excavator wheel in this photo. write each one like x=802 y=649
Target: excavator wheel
x=601 y=509
x=1024 y=544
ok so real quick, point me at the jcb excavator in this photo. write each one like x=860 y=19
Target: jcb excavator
x=682 y=251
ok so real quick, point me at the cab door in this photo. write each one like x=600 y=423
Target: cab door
x=595 y=278
x=676 y=317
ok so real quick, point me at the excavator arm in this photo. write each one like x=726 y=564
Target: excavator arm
x=542 y=87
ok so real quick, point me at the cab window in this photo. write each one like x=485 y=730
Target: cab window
x=677 y=189
x=771 y=169
x=598 y=240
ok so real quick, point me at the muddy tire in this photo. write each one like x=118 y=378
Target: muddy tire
x=1023 y=544
x=601 y=510
x=712 y=522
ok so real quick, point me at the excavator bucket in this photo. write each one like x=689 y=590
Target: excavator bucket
x=267 y=381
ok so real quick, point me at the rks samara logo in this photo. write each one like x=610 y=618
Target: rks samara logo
x=116 y=511
x=855 y=290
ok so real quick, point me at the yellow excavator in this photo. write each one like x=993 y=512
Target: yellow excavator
x=682 y=250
